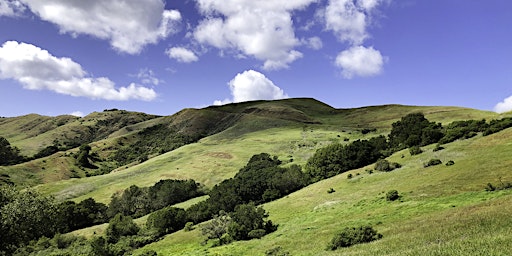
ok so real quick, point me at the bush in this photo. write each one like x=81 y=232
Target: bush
x=331 y=190
x=415 y=150
x=351 y=236
x=349 y=176
x=392 y=195
x=450 y=163
x=432 y=162
x=384 y=165
x=438 y=148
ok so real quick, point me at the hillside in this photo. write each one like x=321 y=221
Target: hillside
x=443 y=209
x=238 y=131
x=120 y=138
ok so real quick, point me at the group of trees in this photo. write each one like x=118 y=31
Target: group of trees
x=28 y=215
x=338 y=158
x=411 y=131
x=136 y=201
x=261 y=180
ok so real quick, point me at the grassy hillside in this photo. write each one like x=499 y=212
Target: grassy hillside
x=221 y=155
x=444 y=210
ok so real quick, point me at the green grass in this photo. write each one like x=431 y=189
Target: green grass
x=444 y=209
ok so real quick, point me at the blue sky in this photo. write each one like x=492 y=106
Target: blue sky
x=62 y=57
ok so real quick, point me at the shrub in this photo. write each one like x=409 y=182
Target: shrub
x=392 y=195
x=349 y=176
x=432 y=162
x=189 y=226
x=276 y=251
x=415 y=150
x=331 y=190
x=354 y=235
x=450 y=163
x=386 y=166
x=438 y=148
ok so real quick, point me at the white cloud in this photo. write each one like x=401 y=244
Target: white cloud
x=37 y=69
x=11 y=8
x=348 y=19
x=260 y=29
x=360 y=61
x=147 y=76
x=504 y=106
x=129 y=25
x=181 y=54
x=252 y=85
x=314 y=43
x=77 y=113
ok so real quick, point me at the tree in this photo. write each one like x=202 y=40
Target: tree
x=248 y=218
x=83 y=156
x=414 y=130
x=9 y=155
x=25 y=216
x=120 y=226
x=167 y=220
x=217 y=228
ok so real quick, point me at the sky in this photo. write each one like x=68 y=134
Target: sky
x=158 y=57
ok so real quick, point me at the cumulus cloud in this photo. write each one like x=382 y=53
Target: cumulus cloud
x=129 y=25
x=252 y=85
x=260 y=29
x=348 y=19
x=504 y=106
x=37 y=69
x=181 y=54
x=360 y=61
x=11 y=8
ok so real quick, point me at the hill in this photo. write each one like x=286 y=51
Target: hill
x=442 y=210
x=236 y=131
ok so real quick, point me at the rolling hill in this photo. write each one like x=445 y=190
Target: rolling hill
x=443 y=210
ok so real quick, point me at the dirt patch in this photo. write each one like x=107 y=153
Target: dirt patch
x=222 y=155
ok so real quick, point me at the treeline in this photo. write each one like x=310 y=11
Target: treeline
x=137 y=202
x=411 y=131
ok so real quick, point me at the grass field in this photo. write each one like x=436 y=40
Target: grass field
x=444 y=210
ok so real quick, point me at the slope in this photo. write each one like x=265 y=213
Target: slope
x=221 y=155
x=444 y=210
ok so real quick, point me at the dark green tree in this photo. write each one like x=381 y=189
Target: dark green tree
x=248 y=218
x=25 y=216
x=414 y=130
x=9 y=155
x=167 y=220
x=83 y=156
x=120 y=226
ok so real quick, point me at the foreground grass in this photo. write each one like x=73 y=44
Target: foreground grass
x=444 y=210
